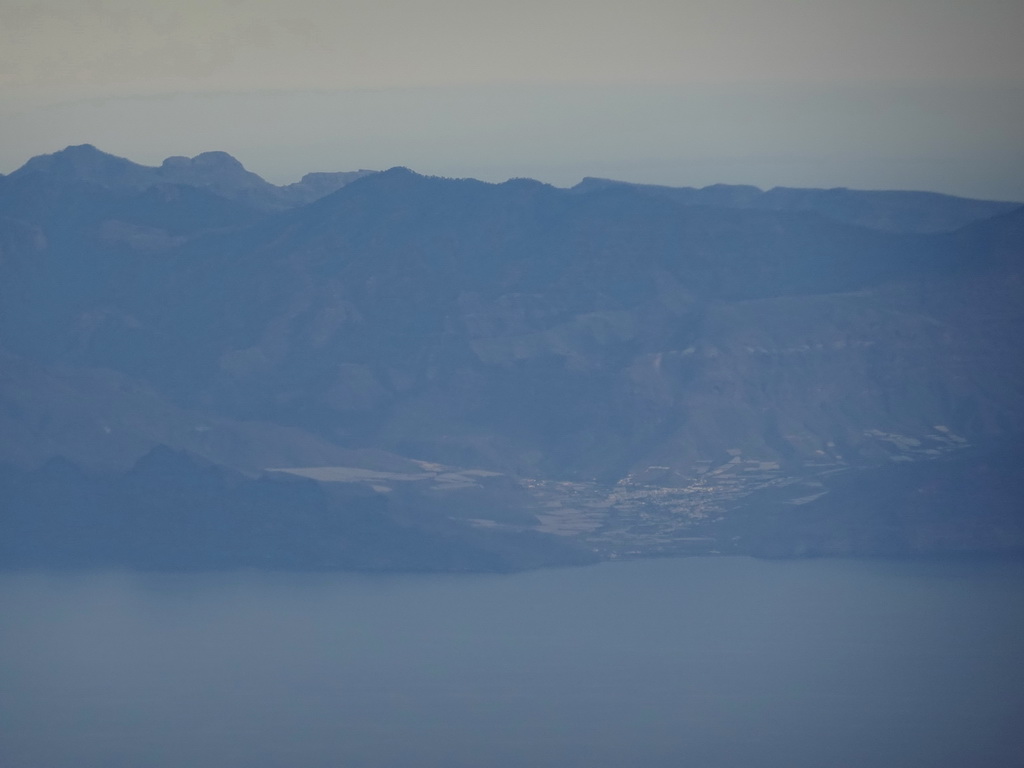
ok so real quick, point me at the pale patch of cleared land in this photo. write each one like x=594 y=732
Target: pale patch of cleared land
x=636 y=516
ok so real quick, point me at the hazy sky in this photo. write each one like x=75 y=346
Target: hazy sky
x=865 y=93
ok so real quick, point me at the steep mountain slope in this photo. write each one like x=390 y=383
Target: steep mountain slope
x=590 y=332
x=633 y=365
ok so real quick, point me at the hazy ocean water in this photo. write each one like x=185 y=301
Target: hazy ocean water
x=718 y=662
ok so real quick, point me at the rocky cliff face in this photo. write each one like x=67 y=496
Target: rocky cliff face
x=625 y=358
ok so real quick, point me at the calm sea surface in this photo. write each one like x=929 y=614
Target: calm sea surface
x=692 y=662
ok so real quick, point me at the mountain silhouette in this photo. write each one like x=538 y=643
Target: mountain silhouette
x=632 y=368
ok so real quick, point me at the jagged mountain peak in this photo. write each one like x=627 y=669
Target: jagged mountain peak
x=73 y=152
x=84 y=162
x=75 y=155
x=522 y=182
x=686 y=350
x=394 y=184
x=210 y=160
x=215 y=171
x=217 y=158
x=220 y=173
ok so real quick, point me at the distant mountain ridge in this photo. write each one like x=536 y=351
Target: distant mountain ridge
x=637 y=370
x=888 y=210
x=217 y=172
